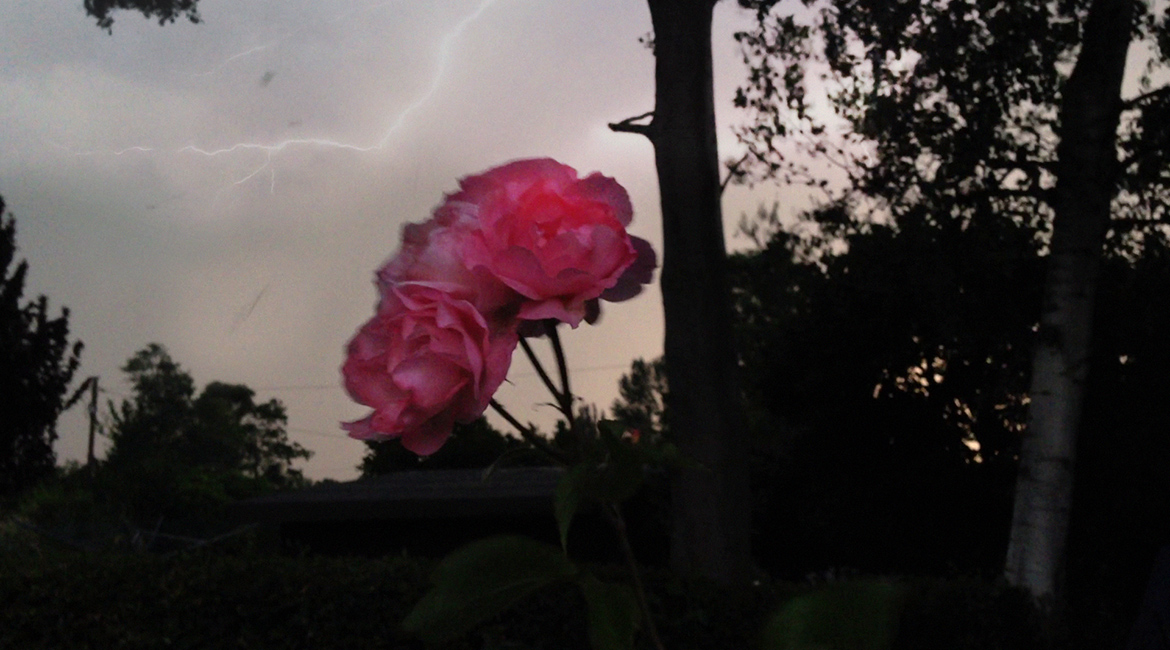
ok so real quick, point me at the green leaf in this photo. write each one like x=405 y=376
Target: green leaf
x=670 y=456
x=614 y=617
x=567 y=499
x=859 y=615
x=481 y=580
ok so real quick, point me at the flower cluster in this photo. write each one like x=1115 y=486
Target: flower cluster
x=527 y=241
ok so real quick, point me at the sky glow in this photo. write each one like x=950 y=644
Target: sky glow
x=227 y=189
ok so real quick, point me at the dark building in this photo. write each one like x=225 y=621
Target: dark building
x=429 y=512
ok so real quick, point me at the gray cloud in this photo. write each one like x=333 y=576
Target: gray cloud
x=147 y=239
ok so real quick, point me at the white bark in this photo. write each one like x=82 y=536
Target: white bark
x=1087 y=174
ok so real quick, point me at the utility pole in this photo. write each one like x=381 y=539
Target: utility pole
x=93 y=397
x=92 y=384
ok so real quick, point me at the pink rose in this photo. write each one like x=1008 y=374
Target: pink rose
x=431 y=253
x=556 y=240
x=426 y=360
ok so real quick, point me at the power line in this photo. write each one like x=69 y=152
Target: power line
x=335 y=385
x=319 y=434
x=529 y=373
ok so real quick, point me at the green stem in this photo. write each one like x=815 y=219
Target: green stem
x=619 y=525
x=530 y=436
x=566 y=394
x=540 y=370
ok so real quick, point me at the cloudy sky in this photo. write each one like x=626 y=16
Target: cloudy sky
x=227 y=188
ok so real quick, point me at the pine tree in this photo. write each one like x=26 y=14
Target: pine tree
x=37 y=363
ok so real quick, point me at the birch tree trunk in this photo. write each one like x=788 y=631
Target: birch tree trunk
x=711 y=507
x=1086 y=180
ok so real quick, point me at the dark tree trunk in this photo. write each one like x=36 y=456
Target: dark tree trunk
x=711 y=508
x=1086 y=180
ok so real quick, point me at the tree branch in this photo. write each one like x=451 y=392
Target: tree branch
x=614 y=513
x=1027 y=166
x=1130 y=223
x=629 y=125
x=1038 y=193
x=733 y=170
x=1157 y=93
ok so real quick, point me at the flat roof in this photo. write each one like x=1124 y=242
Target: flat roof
x=416 y=494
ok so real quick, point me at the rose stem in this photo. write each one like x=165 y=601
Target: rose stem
x=612 y=509
x=540 y=371
x=566 y=395
x=619 y=524
x=532 y=439
x=565 y=398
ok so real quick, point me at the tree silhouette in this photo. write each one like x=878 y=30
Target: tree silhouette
x=710 y=512
x=473 y=445
x=966 y=111
x=176 y=456
x=166 y=11
x=642 y=397
x=37 y=367
x=886 y=377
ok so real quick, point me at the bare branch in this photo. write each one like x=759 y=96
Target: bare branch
x=1027 y=166
x=1157 y=93
x=1130 y=223
x=733 y=170
x=629 y=125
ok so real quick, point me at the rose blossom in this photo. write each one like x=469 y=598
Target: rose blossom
x=426 y=360
x=431 y=253
x=558 y=241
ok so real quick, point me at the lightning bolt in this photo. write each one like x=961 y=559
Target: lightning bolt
x=270 y=150
x=249 y=52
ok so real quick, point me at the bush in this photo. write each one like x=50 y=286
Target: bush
x=968 y=614
x=216 y=600
x=208 y=600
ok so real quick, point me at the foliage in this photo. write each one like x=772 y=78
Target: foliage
x=858 y=615
x=490 y=576
x=482 y=580
x=642 y=395
x=472 y=445
x=38 y=365
x=176 y=456
x=887 y=382
x=946 y=121
x=199 y=600
x=963 y=613
x=938 y=106
x=891 y=375
x=166 y=11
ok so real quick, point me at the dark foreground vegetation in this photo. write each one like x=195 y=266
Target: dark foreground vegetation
x=238 y=598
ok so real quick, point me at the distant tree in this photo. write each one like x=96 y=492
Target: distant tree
x=473 y=445
x=887 y=376
x=891 y=378
x=642 y=396
x=166 y=11
x=177 y=456
x=37 y=363
x=967 y=110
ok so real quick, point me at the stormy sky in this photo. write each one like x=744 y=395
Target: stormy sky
x=226 y=189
